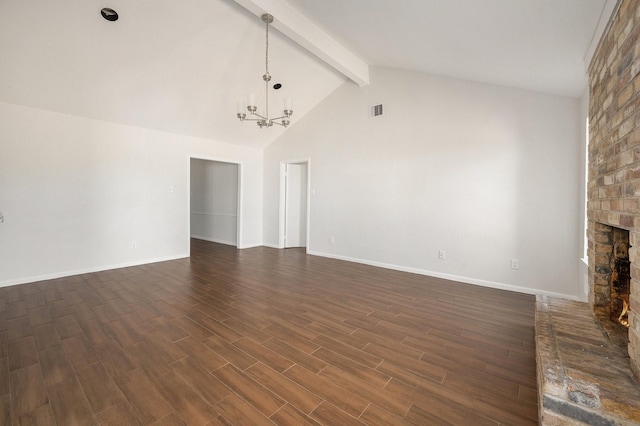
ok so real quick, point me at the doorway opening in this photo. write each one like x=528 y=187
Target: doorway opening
x=214 y=202
x=294 y=204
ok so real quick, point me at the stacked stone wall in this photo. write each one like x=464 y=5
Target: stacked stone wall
x=614 y=157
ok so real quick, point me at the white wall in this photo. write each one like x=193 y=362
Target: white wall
x=214 y=201
x=76 y=193
x=483 y=172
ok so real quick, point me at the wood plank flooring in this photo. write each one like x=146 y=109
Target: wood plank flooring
x=264 y=336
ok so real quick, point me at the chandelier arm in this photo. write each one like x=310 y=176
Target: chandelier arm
x=260 y=117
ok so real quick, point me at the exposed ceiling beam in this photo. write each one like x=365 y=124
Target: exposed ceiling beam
x=307 y=34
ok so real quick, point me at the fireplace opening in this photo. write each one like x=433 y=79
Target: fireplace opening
x=620 y=285
x=612 y=285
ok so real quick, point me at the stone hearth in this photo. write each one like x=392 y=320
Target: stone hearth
x=583 y=378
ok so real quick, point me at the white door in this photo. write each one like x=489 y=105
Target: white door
x=296 y=205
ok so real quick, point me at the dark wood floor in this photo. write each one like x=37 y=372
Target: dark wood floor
x=264 y=336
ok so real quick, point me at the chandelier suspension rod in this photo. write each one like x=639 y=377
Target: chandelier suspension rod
x=267 y=19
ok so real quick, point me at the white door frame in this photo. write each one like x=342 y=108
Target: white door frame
x=240 y=213
x=283 y=191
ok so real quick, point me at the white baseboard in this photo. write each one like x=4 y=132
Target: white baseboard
x=275 y=246
x=467 y=280
x=63 y=274
x=229 y=243
x=215 y=240
x=248 y=246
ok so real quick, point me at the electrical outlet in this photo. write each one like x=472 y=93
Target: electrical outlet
x=515 y=264
x=442 y=254
x=134 y=245
x=332 y=240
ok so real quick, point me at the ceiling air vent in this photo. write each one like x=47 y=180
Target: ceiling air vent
x=376 y=110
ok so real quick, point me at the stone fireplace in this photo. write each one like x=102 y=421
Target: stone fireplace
x=585 y=374
x=614 y=170
x=588 y=361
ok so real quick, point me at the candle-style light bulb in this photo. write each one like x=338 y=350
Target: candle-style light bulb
x=251 y=101
x=288 y=104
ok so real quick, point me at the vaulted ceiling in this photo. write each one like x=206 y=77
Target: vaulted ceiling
x=181 y=66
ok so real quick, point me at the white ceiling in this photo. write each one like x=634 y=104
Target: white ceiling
x=181 y=66
x=178 y=66
x=538 y=45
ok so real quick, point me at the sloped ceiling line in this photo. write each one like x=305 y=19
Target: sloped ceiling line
x=609 y=11
x=301 y=30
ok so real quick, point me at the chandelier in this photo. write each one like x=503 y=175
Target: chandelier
x=265 y=120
